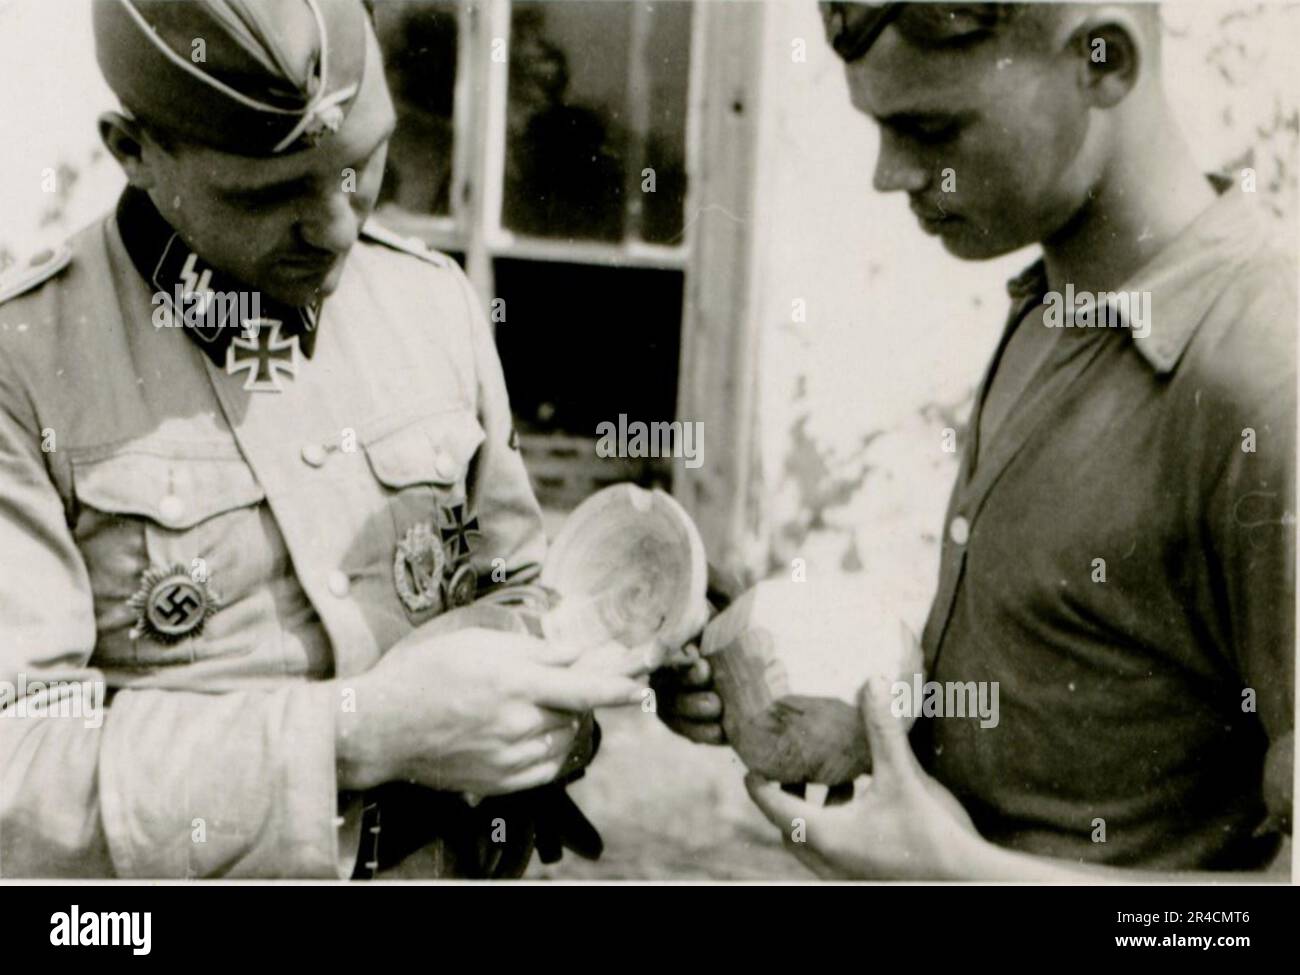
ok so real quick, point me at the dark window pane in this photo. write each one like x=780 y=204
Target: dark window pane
x=419 y=42
x=582 y=344
x=570 y=364
x=583 y=121
x=668 y=67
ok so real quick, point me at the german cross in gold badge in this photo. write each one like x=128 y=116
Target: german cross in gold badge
x=171 y=604
x=264 y=354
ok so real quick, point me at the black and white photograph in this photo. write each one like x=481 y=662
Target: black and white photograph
x=655 y=441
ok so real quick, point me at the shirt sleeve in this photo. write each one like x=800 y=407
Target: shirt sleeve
x=160 y=783
x=514 y=541
x=1252 y=537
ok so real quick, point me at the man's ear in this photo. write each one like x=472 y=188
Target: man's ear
x=125 y=138
x=1113 y=52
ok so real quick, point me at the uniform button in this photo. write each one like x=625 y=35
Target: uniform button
x=338 y=583
x=959 y=530
x=443 y=465
x=313 y=454
x=171 y=508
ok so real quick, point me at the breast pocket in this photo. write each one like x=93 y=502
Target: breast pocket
x=175 y=547
x=429 y=456
x=424 y=471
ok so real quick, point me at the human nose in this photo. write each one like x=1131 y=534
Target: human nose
x=896 y=170
x=331 y=224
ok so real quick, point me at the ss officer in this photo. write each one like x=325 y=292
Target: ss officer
x=249 y=526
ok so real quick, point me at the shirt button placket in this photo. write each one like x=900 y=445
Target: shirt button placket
x=443 y=465
x=338 y=584
x=313 y=454
x=959 y=530
x=171 y=508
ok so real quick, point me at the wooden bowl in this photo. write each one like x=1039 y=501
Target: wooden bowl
x=788 y=659
x=629 y=570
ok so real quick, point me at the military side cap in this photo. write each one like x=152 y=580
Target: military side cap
x=851 y=28
x=243 y=76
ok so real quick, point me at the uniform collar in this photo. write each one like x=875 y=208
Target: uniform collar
x=168 y=266
x=1193 y=267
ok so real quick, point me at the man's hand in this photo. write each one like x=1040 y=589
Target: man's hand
x=687 y=703
x=684 y=696
x=906 y=826
x=477 y=711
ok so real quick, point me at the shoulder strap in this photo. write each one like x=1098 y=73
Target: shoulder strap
x=27 y=275
x=407 y=245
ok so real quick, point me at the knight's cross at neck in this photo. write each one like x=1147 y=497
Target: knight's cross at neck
x=264 y=354
x=237 y=327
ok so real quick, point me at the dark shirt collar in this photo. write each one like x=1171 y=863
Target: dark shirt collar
x=1182 y=278
x=168 y=266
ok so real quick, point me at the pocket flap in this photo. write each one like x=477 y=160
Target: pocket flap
x=430 y=450
x=176 y=493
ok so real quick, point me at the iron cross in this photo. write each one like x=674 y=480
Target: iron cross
x=456 y=530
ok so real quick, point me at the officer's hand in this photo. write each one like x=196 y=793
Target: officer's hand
x=687 y=703
x=476 y=711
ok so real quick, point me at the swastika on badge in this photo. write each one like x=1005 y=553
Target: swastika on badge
x=171 y=605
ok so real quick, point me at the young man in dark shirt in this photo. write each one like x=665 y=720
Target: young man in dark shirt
x=1118 y=552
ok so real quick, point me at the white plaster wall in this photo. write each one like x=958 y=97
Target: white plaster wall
x=51 y=95
x=893 y=322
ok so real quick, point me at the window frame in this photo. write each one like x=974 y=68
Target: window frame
x=474 y=226
x=717 y=255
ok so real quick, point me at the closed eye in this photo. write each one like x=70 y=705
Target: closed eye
x=276 y=194
x=930 y=133
x=264 y=197
x=929 y=129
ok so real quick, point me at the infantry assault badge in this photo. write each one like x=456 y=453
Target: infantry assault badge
x=432 y=567
x=418 y=567
x=171 y=605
